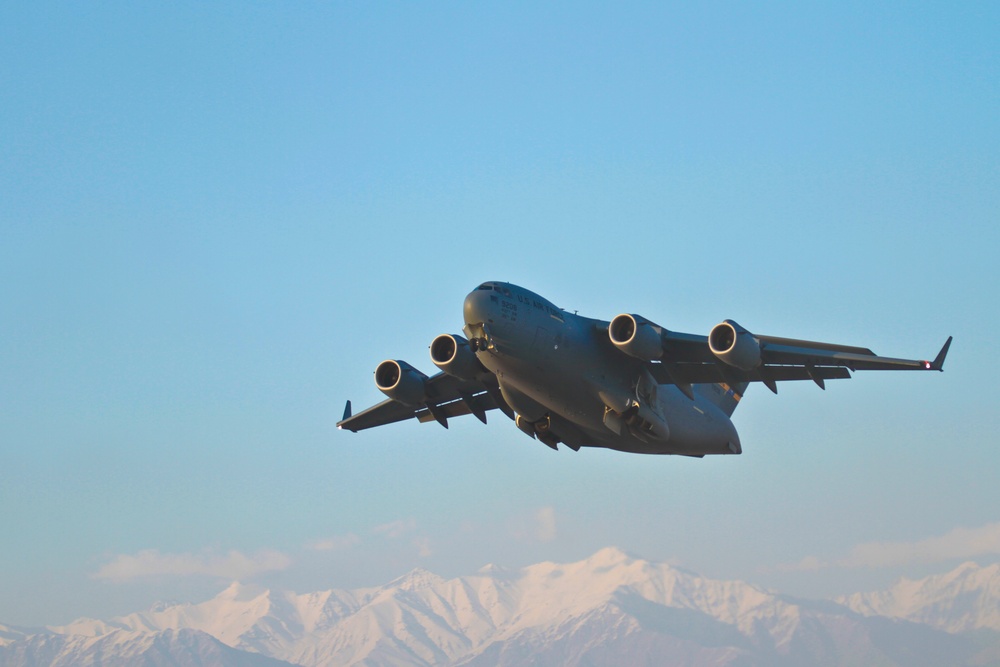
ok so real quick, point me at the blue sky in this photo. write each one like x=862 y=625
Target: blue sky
x=216 y=220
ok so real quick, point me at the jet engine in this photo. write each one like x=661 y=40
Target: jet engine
x=401 y=382
x=453 y=355
x=734 y=345
x=636 y=336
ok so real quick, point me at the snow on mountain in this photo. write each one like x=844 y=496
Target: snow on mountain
x=10 y=634
x=119 y=648
x=245 y=617
x=609 y=609
x=967 y=598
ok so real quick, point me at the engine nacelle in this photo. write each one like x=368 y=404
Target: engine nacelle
x=401 y=382
x=734 y=345
x=636 y=336
x=452 y=354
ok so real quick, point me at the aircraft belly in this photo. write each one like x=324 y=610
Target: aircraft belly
x=532 y=391
x=548 y=372
x=697 y=428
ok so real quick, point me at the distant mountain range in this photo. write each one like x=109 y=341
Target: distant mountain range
x=965 y=599
x=610 y=609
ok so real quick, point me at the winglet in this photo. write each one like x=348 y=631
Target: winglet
x=938 y=362
x=347 y=412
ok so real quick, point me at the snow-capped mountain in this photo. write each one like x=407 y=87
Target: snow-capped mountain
x=610 y=609
x=121 y=648
x=967 y=598
x=9 y=634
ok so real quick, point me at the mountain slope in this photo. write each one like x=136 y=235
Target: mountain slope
x=178 y=648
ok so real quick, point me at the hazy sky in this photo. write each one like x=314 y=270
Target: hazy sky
x=216 y=220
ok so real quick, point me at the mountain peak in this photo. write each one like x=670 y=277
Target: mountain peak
x=163 y=605
x=610 y=556
x=238 y=592
x=966 y=569
x=415 y=580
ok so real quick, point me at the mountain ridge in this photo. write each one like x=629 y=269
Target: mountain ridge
x=611 y=608
x=964 y=599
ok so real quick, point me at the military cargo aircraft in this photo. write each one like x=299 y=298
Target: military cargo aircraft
x=628 y=384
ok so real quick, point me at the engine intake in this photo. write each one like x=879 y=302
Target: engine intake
x=734 y=345
x=452 y=354
x=401 y=382
x=636 y=336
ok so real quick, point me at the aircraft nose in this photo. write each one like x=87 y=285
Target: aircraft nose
x=477 y=307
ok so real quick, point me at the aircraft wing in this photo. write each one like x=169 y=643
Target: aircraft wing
x=687 y=359
x=446 y=396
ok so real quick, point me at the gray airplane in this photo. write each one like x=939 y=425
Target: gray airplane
x=627 y=384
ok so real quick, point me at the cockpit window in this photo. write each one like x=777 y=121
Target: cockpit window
x=485 y=286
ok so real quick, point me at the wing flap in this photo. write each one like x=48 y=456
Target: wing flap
x=868 y=361
x=482 y=403
x=695 y=373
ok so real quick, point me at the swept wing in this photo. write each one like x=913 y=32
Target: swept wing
x=446 y=396
x=689 y=359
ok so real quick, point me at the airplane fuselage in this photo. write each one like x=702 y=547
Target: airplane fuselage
x=567 y=383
